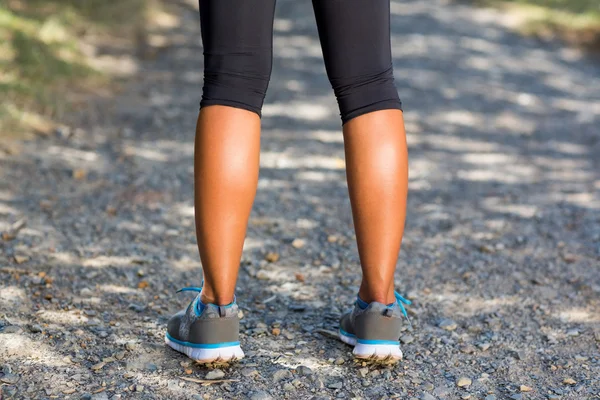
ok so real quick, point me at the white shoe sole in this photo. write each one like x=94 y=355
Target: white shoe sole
x=379 y=352
x=203 y=355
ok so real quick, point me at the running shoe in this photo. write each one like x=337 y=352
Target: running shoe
x=205 y=332
x=374 y=329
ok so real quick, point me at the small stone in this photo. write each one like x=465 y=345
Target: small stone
x=86 y=292
x=298 y=243
x=525 y=388
x=263 y=275
x=484 y=346
x=136 y=307
x=339 y=361
x=573 y=332
x=289 y=335
x=332 y=238
x=139 y=388
x=553 y=397
x=467 y=349
x=304 y=370
x=336 y=385
x=261 y=395
x=516 y=396
x=247 y=372
x=463 y=381
x=580 y=358
x=428 y=387
x=69 y=391
x=272 y=257
x=13 y=329
x=427 y=396
x=466 y=396
x=276 y=331
x=281 y=375
x=97 y=367
x=10 y=379
x=490 y=397
x=131 y=345
x=35 y=328
x=406 y=339
x=569 y=381
x=120 y=355
x=288 y=387
x=20 y=259
x=214 y=374
x=151 y=367
x=448 y=324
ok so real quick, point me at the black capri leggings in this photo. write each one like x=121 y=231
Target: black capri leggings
x=355 y=38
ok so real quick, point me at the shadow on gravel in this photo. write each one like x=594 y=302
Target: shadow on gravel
x=500 y=255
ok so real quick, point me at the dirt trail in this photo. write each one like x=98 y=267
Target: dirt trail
x=501 y=254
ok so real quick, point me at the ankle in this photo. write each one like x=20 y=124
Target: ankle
x=220 y=300
x=379 y=296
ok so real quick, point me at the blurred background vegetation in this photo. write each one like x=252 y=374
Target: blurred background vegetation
x=51 y=50
x=50 y=55
x=575 y=21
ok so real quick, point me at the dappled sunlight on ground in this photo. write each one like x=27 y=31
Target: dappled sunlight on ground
x=502 y=227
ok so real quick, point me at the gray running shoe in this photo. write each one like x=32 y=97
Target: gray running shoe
x=374 y=329
x=205 y=332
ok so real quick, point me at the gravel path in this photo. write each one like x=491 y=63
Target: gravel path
x=501 y=254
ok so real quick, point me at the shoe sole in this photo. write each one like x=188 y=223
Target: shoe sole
x=375 y=352
x=208 y=355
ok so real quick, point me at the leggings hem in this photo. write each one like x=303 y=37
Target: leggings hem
x=395 y=104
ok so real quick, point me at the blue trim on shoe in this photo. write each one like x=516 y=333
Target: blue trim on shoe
x=200 y=345
x=343 y=332
x=367 y=341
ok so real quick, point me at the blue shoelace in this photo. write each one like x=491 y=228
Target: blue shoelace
x=401 y=301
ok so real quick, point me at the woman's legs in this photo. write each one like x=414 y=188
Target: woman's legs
x=355 y=37
x=237 y=36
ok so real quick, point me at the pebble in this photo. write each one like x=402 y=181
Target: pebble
x=463 y=381
x=304 y=370
x=10 y=379
x=569 y=381
x=336 y=385
x=339 y=361
x=406 y=339
x=86 y=292
x=466 y=396
x=573 y=332
x=136 y=307
x=35 y=328
x=447 y=324
x=288 y=387
x=467 y=349
x=214 y=374
x=247 y=372
x=261 y=395
x=97 y=367
x=428 y=387
x=427 y=396
x=298 y=243
x=525 y=388
x=516 y=396
x=281 y=375
x=553 y=397
x=490 y=397
x=484 y=346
